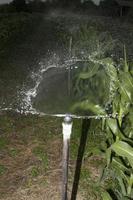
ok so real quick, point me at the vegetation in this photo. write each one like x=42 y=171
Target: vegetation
x=2 y=169
x=119 y=131
x=15 y=27
x=5 y=8
x=33 y=152
x=116 y=103
x=96 y=70
x=106 y=8
x=39 y=152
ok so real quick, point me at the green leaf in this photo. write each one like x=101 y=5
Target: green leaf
x=106 y=196
x=91 y=72
x=118 y=163
x=131 y=133
x=123 y=149
x=108 y=156
x=120 y=173
x=88 y=106
x=107 y=61
x=122 y=185
x=103 y=124
x=113 y=124
x=123 y=110
x=126 y=67
x=130 y=186
x=126 y=86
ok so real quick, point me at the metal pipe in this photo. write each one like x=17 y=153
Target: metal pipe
x=67 y=129
x=69 y=67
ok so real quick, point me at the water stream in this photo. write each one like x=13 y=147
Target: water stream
x=38 y=78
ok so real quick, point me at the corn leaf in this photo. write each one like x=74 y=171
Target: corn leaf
x=108 y=156
x=91 y=72
x=126 y=67
x=88 y=106
x=122 y=185
x=113 y=124
x=126 y=86
x=130 y=185
x=106 y=196
x=123 y=149
x=117 y=162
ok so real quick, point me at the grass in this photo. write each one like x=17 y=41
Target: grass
x=93 y=161
x=92 y=187
x=95 y=140
x=3 y=142
x=34 y=171
x=40 y=153
x=2 y=170
x=35 y=145
x=13 y=152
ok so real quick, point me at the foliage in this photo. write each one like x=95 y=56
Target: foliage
x=90 y=49
x=119 y=131
x=6 y=8
x=13 y=27
x=118 y=104
x=88 y=40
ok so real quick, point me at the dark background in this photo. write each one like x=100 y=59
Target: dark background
x=106 y=8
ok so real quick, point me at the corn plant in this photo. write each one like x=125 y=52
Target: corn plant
x=88 y=40
x=119 y=152
x=118 y=128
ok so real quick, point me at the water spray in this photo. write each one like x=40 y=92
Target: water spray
x=67 y=130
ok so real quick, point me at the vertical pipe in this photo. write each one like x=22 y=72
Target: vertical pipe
x=65 y=168
x=83 y=139
x=69 y=69
x=69 y=81
x=67 y=129
x=121 y=11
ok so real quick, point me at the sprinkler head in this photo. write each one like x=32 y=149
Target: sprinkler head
x=67 y=127
x=67 y=119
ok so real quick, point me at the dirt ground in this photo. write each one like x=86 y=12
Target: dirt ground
x=17 y=182
x=31 y=161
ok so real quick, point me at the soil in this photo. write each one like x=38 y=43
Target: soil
x=17 y=182
x=28 y=174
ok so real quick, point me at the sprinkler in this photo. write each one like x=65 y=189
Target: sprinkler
x=67 y=129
